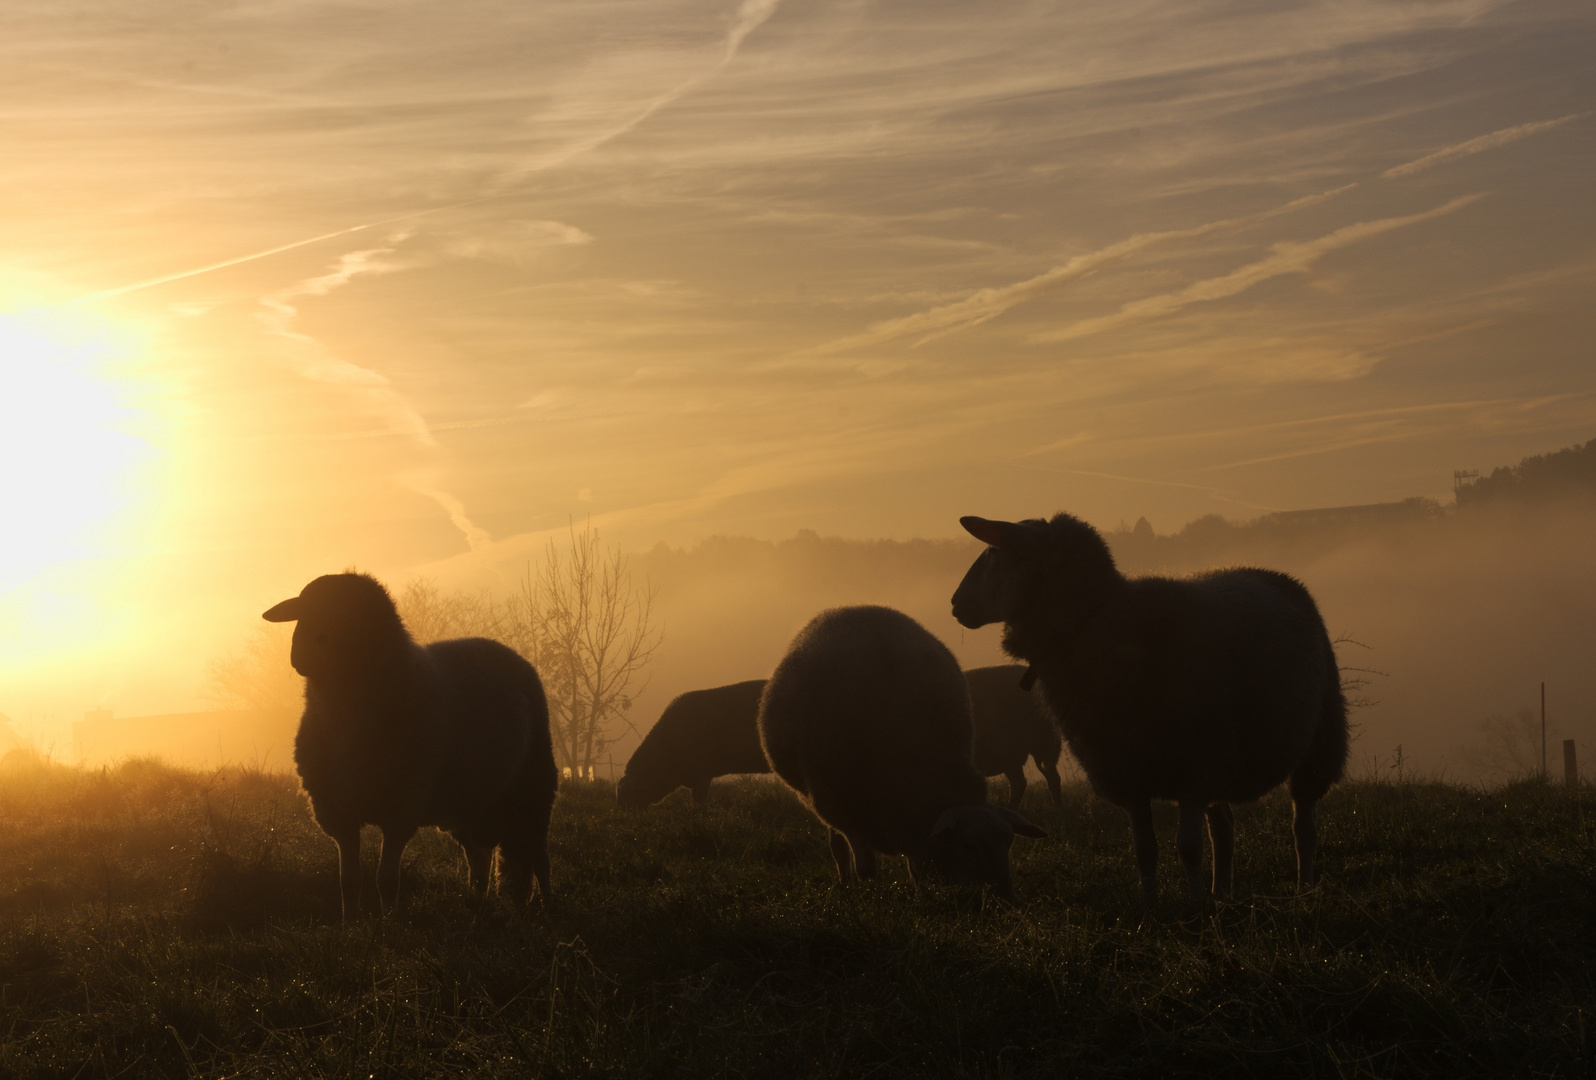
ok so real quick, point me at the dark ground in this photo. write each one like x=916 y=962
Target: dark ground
x=156 y=922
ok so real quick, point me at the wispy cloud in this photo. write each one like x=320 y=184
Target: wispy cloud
x=750 y=15
x=985 y=304
x=1287 y=257
x=1476 y=146
x=315 y=362
x=477 y=538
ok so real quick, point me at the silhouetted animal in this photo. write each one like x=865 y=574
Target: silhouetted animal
x=867 y=718
x=453 y=734
x=1207 y=690
x=1011 y=725
x=701 y=734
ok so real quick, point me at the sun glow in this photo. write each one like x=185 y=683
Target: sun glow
x=68 y=447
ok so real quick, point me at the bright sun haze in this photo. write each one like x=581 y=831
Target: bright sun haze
x=292 y=288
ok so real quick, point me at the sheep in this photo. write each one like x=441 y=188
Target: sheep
x=701 y=734
x=867 y=719
x=1010 y=725
x=1208 y=690
x=398 y=735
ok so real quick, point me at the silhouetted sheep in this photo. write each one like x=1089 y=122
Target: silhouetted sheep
x=1207 y=690
x=701 y=734
x=398 y=735
x=867 y=718
x=1011 y=725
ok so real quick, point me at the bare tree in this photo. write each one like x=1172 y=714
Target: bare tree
x=1508 y=746
x=257 y=674
x=430 y=614
x=590 y=633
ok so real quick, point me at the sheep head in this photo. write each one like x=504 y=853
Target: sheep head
x=347 y=624
x=635 y=792
x=1038 y=577
x=971 y=844
x=997 y=583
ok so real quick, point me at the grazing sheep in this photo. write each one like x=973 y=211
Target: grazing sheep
x=1011 y=725
x=1207 y=690
x=867 y=718
x=701 y=734
x=397 y=735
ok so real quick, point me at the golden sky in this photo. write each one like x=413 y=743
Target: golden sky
x=290 y=286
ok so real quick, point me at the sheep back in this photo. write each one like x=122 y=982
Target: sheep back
x=1215 y=687
x=867 y=718
x=701 y=734
x=1010 y=723
x=444 y=744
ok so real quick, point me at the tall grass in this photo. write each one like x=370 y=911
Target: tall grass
x=160 y=922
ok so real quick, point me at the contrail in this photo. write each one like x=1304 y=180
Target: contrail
x=150 y=284
x=989 y=303
x=1286 y=257
x=750 y=14
x=1476 y=146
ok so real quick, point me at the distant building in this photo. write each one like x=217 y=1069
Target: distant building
x=201 y=740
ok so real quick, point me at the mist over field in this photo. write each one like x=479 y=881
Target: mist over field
x=1454 y=618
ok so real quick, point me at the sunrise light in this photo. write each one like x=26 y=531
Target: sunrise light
x=67 y=440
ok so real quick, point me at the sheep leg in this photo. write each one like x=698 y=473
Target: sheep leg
x=521 y=861
x=1302 y=828
x=864 y=860
x=394 y=839
x=1055 y=786
x=1146 y=845
x=701 y=791
x=348 y=841
x=1016 y=787
x=480 y=862
x=842 y=854
x=1189 y=846
x=1222 y=835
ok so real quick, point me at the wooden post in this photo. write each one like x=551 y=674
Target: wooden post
x=1543 y=731
x=1570 y=766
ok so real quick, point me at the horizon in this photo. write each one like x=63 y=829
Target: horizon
x=290 y=288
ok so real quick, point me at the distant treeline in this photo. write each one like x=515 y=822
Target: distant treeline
x=1564 y=477
x=1567 y=473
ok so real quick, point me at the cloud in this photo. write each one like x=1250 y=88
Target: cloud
x=749 y=16
x=315 y=362
x=476 y=537
x=1287 y=257
x=985 y=304
x=1476 y=146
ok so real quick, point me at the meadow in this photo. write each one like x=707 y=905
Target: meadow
x=161 y=922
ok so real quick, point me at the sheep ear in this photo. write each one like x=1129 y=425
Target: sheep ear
x=287 y=611
x=1000 y=534
x=1021 y=826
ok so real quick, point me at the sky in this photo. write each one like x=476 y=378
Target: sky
x=291 y=286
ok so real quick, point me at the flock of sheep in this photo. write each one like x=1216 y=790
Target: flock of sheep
x=1205 y=691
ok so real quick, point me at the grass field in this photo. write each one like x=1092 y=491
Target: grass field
x=161 y=922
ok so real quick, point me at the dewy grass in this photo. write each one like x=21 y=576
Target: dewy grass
x=156 y=922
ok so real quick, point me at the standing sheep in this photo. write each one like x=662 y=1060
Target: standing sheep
x=397 y=735
x=867 y=718
x=701 y=734
x=1011 y=725
x=1207 y=691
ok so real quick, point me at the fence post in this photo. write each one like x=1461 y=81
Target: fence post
x=1570 y=766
